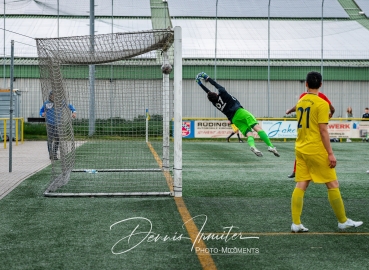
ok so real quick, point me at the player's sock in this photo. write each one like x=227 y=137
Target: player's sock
x=251 y=141
x=262 y=134
x=297 y=202
x=230 y=135
x=294 y=167
x=335 y=199
x=238 y=135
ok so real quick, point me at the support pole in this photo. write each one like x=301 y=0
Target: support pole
x=216 y=40
x=11 y=108
x=216 y=48
x=166 y=119
x=177 y=170
x=321 y=61
x=269 y=58
x=4 y=85
x=147 y=126
x=91 y=129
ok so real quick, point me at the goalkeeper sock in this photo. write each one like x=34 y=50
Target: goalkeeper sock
x=251 y=141
x=264 y=137
x=335 y=199
x=297 y=202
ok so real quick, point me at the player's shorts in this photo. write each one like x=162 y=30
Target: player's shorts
x=314 y=167
x=244 y=120
x=235 y=129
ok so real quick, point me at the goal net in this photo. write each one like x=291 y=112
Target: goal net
x=109 y=108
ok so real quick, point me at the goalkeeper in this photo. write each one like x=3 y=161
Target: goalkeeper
x=235 y=113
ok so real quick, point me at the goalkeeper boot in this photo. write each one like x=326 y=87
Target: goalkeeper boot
x=203 y=75
x=256 y=151
x=274 y=151
x=298 y=228
x=349 y=224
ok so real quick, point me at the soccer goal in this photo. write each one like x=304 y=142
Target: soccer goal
x=125 y=135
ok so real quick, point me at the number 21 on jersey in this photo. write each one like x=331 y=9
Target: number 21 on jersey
x=304 y=117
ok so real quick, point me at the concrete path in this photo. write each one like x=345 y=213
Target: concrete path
x=28 y=158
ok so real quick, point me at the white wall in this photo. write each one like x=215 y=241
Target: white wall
x=253 y=95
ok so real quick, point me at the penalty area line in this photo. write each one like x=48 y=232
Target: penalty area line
x=167 y=175
x=206 y=260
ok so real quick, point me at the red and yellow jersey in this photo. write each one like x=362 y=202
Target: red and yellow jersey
x=311 y=110
x=320 y=94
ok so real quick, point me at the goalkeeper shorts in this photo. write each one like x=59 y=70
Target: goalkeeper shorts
x=244 y=120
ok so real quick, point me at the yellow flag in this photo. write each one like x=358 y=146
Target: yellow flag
x=147 y=116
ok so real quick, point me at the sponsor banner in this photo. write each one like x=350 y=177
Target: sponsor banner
x=274 y=129
x=359 y=129
x=280 y=129
x=215 y=129
x=212 y=129
x=337 y=129
x=188 y=130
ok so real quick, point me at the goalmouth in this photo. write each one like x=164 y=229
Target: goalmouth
x=125 y=137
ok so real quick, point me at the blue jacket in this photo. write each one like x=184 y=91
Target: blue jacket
x=48 y=107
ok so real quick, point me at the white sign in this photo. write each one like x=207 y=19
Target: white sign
x=280 y=129
x=338 y=129
x=212 y=129
x=215 y=129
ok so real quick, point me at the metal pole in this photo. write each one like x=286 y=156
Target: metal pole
x=147 y=126
x=177 y=169
x=11 y=107
x=216 y=47
x=216 y=40
x=4 y=50
x=166 y=119
x=111 y=71
x=321 y=62
x=58 y=19
x=268 y=57
x=91 y=130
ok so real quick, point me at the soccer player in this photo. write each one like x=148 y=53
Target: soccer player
x=235 y=131
x=48 y=111
x=293 y=109
x=235 y=113
x=315 y=160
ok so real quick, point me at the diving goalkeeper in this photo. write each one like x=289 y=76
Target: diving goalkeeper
x=235 y=113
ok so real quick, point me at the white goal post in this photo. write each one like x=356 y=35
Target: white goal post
x=109 y=133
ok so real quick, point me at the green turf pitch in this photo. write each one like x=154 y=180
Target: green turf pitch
x=123 y=166
x=224 y=185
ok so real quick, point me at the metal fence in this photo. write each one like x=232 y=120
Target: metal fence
x=253 y=95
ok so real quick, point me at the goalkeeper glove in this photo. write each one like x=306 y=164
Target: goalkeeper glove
x=203 y=75
x=198 y=80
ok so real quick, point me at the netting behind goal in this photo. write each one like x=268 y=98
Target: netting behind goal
x=119 y=142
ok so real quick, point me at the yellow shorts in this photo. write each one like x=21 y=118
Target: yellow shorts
x=235 y=129
x=314 y=167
